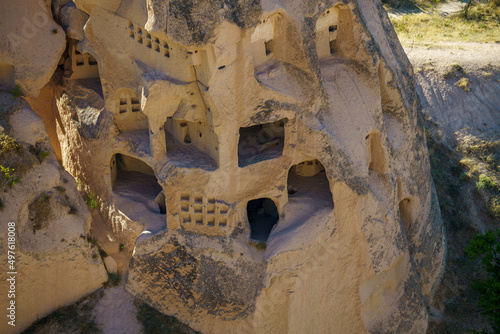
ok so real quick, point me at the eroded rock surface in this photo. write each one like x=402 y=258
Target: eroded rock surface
x=55 y=264
x=264 y=158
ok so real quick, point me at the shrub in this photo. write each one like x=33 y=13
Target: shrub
x=9 y=176
x=121 y=247
x=42 y=155
x=92 y=240
x=455 y=70
x=464 y=83
x=485 y=182
x=16 y=91
x=7 y=144
x=91 y=200
x=487 y=247
x=114 y=279
x=493 y=206
x=258 y=244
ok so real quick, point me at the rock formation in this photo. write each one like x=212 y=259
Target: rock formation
x=264 y=159
x=54 y=261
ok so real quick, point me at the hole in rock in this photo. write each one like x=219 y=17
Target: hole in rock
x=261 y=142
x=262 y=216
x=269 y=47
x=136 y=184
x=92 y=61
x=376 y=152
x=308 y=184
x=333 y=31
x=405 y=214
x=191 y=144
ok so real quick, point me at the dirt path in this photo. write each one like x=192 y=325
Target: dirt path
x=115 y=313
x=443 y=8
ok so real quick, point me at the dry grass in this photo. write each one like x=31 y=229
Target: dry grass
x=8 y=144
x=481 y=161
x=464 y=83
x=482 y=25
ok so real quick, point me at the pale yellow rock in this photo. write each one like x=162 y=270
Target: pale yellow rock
x=207 y=131
x=111 y=266
x=31 y=41
x=54 y=263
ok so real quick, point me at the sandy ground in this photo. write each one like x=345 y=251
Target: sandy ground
x=444 y=8
x=472 y=55
x=452 y=107
x=115 y=313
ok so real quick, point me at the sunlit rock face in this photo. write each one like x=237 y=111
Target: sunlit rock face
x=265 y=159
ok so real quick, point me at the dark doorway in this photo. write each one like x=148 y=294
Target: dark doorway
x=261 y=142
x=262 y=216
x=135 y=180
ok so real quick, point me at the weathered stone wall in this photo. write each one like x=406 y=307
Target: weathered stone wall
x=221 y=100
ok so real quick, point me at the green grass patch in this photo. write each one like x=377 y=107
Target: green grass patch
x=91 y=200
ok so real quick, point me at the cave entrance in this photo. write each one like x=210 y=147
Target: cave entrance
x=308 y=187
x=134 y=180
x=262 y=216
x=261 y=142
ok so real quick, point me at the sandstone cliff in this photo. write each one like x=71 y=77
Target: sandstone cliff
x=264 y=159
x=54 y=263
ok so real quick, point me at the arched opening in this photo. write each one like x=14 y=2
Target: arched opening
x=134 y=181
x=262 y=216
x=308 y=186
x=333 y=31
